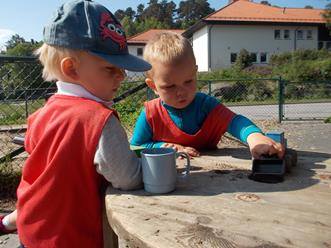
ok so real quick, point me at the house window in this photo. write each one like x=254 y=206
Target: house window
x=286 y=34
x=263 y=57
x=309 y=34
x=253 y=57
x=320 y=45
x=139 y=51
x=277 y=34
x=233 y=58
x=328 y=45
x=300 y=34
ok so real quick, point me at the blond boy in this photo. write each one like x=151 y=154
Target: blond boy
x=183 y=118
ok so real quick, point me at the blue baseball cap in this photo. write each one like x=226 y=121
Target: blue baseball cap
x=89 y=26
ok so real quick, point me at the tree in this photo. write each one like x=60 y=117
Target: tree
x=119 y=14
x=153 y=10
x=309 y=7
x=140 y=12
x=22 y=49
x=191 y=11
x=243 y=59
x=15 y=39
x=167 y=11
x=265 y=3
x=327 y=16
x=128 y=26
x=129 y=12
x=156 y=15
x=163 y=14
x=19 y=74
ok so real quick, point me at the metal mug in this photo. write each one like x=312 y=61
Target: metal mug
x=159 y=169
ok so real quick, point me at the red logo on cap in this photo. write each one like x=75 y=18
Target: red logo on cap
x=110 y=29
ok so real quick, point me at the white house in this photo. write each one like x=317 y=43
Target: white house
x=260 y=29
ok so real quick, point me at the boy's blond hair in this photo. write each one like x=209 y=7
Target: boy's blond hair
x=50 y=57
x=168 y=47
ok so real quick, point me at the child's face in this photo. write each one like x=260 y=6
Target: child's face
x=98 y=76
x=176 y=84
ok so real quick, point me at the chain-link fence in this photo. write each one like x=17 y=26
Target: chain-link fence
x=22 y=91
x=305 y=100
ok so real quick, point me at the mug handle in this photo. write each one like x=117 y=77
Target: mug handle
x=188 y=164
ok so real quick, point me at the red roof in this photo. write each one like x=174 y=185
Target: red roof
x=244 y=10
x=145 y=36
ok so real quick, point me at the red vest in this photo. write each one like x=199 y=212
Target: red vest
x=164 y=129
x=59 y=196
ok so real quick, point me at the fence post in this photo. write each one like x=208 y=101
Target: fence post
x=209 y=88
x=280 y=99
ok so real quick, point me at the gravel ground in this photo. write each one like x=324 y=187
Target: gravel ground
x=308 y=136
x=301 y=136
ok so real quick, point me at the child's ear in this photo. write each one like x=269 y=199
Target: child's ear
x=150 y=83
x=68 y=68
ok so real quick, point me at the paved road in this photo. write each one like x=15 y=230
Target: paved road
x=291 y=111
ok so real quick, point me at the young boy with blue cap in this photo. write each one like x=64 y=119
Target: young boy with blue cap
x=76 y=141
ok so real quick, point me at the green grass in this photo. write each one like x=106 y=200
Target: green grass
x=327 y=120
x=15 y=113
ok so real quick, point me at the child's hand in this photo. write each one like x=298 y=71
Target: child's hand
x=179 y=148
x=260 y=145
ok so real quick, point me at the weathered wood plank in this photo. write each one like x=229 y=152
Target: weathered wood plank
x=220 y=207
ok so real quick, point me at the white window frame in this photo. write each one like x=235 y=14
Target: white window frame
x=140 y=51
x=328 y=45
x=279 y=34
x=266 y=57
x=250 y=56
x=300 y=37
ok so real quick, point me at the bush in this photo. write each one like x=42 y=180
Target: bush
x=299 y=55
x=243 y=60
x=304 y=70
x=232 y=93
x=301 y=65
x=259 y=71
x=229 y=73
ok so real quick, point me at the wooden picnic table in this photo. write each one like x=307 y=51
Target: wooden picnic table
x=218 y=206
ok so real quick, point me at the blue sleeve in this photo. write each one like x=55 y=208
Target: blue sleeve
x=142 y=135
x=240 y=127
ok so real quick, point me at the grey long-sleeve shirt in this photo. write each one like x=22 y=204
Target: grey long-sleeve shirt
x=113 y=158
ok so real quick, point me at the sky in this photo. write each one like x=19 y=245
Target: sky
x=27 y=17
